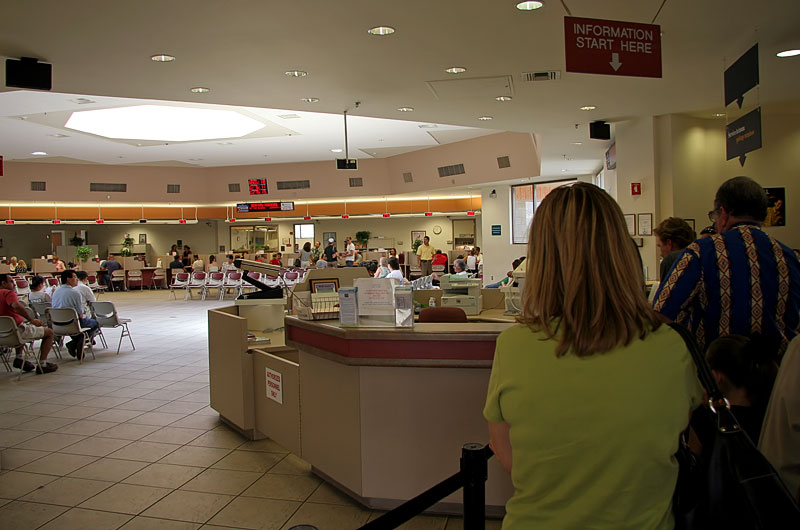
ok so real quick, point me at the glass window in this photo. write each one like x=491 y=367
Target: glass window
x=525 y=198
x=304 y=231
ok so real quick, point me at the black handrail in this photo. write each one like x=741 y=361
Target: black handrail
x=472 y=477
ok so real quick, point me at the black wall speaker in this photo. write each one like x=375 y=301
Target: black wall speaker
x=28 y=72
x=599 y=130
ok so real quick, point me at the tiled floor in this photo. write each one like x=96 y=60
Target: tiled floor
x=130 y=442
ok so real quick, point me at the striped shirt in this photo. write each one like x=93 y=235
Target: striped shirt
x=741 y=282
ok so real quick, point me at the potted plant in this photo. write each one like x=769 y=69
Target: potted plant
x=83 y=253
x=363 y=237
x=415 y=245
x=127 y=246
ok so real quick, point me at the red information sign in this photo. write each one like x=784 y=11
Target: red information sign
x=612 y=47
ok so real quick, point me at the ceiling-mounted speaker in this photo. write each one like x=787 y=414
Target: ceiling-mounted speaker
x=28 y=72
x=599 y=130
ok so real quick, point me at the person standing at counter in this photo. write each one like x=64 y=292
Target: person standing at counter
x=350 y=252
x=589 y=393
x=330 y=253
x=316 y=252
x=305 y=255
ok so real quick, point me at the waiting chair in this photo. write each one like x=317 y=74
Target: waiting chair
x=442 y=314
x=233 y=281
x=11 y=339
x=179 y=281
x=196 y=281
x=23 y=288
x=135 y=277
x=106 y=315
x=117 y=276
x=40 y=310
x=213 y=281
x=94 y=285
x=159 y=279
x=65 y=323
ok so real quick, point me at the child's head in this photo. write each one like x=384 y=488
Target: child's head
x=748 y=363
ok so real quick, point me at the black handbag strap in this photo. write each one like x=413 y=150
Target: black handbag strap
x=703 y=370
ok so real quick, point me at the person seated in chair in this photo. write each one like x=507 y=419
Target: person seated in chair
x=67 y=296
x=85 y=291
x=38 y=293
x=460 y=268
x=30 y=329
x=111 y=265
x=176 y=263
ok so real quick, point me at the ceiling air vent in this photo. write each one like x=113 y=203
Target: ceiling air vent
x=293 y=184
x=173 y=188
x=108 y=186
x=38 y=185
x=552 y=75
x=408 y=178
x=503 y=162
x=449 y=171
x=234 y=188
x=356 y=182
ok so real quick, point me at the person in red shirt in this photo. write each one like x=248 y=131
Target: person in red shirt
x=276 y=259
x=439 y=258
x=30 y=328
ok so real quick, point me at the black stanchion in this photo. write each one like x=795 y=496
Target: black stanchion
x=474 y=471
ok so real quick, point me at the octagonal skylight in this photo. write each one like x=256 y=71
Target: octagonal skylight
x=163 y=123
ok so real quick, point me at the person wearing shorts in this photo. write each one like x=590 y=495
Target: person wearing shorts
x=30 y=328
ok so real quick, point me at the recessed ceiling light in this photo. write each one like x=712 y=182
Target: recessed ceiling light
x=588 y=107
x=58 y=135
x=163 y=58
x=200 y=90
x=530 y=5
x=296 y=73
x=224 y=143
x=163 y=123
x=38 y=153
x=82 y=101
x=718 y=115
x=485 y=118
x=309 y=100
x=381 y=30
x=456 y=70
x=503 y=98
x=788 y=53
x=577 y=143
x=427 y=126
x=195 y=159
x=564 y=170
x=405 y=109
x=336 y=150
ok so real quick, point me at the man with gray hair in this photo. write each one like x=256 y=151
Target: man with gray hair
x=460 y=267
x=740 y=281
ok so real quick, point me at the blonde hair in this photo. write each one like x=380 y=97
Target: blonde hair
x=584 y=277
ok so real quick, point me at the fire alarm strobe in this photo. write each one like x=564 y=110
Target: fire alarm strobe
x=636 y=188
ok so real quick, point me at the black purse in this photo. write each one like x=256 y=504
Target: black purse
x=735 y=487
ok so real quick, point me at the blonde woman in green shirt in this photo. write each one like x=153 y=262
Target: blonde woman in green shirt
x=588 y=394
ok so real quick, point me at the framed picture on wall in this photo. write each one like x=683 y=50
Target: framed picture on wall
x=142 y=239
x=645 y=222
x=691 y=223
x=630 y=220
x=417 y=235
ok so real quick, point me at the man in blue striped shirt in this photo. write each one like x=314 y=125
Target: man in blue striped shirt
x=741 y=280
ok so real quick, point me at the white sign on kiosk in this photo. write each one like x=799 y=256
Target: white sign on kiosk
x=274 y=386
x=375 y=298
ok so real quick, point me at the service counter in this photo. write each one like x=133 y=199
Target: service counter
x=380 y=413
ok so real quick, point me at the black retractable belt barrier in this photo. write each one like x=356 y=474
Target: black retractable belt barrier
x=472 y=477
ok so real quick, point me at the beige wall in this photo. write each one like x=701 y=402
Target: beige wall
x=69 y=182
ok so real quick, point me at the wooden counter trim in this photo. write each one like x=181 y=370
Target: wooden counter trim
x=397 y=347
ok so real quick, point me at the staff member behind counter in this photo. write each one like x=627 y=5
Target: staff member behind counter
x=588 y=395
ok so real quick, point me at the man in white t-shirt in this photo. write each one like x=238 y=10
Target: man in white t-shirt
x=86 y=292
x=460 y=267
x=350 y=252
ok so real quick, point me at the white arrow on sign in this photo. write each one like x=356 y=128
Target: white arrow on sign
x=615 y=64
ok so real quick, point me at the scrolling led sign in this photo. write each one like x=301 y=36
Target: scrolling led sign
x=245 y=207
x=257 y=186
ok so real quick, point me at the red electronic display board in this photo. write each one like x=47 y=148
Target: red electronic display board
x=257 y=186
x=245 y=207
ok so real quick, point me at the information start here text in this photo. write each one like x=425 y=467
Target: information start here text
x=597 y=37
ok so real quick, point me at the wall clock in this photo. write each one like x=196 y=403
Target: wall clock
x=437 y=230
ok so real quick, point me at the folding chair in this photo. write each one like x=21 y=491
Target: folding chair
x=65 y=323
x=213 y=281
x=196 y=281
x=95 y=286
x=159 y=278
x=40 y=310
x=106 y=315
x=23 y=288
x=135 y=277
x=11 y=339
x=179 y=281
x=117 y=276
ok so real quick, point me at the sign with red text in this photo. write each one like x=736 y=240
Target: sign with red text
x=612 y=47
x=274 y=386
x=636 y=188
